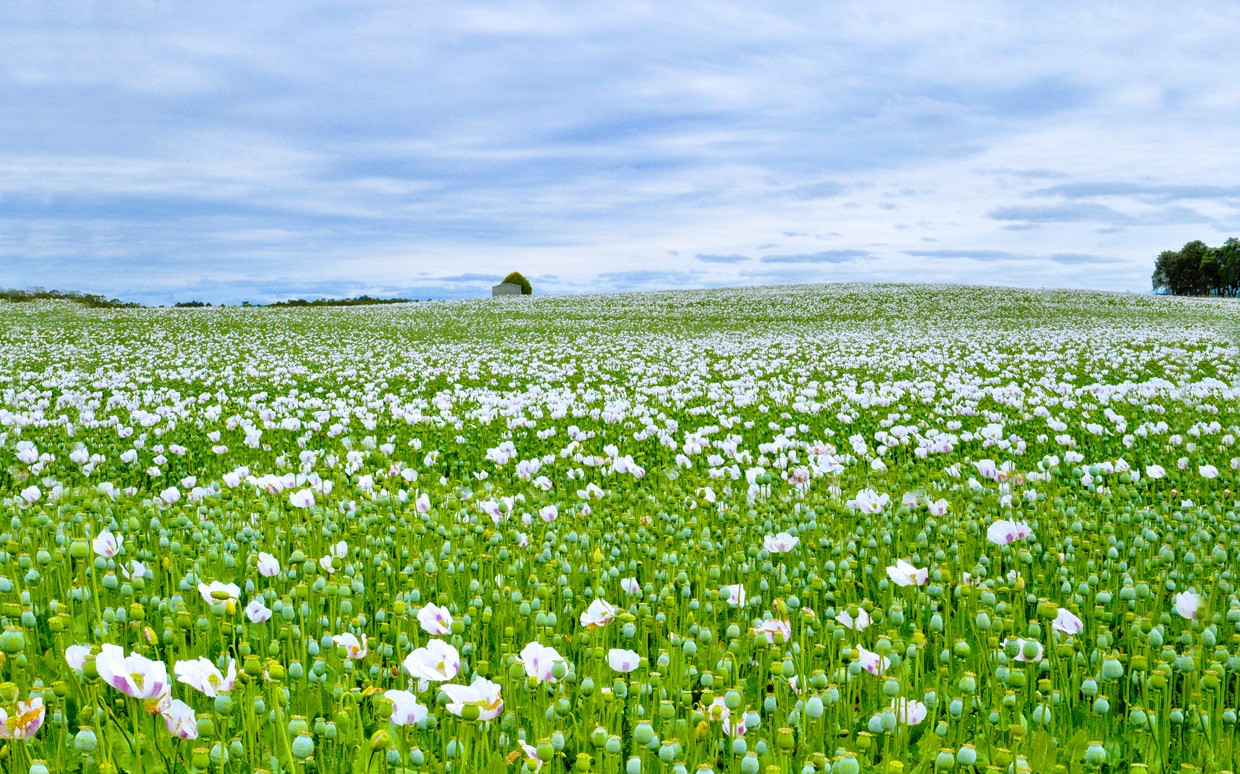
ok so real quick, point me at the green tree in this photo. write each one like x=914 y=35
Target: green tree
x=1193 y=278
x=1163 y=271
x=1197 y=269
x=1210 y=276
x=516 y=278
x=1227 y=257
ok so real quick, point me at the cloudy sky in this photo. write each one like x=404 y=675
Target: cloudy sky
x=260 y=151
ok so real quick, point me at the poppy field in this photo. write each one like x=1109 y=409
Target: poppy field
x=790 y=530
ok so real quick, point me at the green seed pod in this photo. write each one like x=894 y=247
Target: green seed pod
x=1112 y=669
x=598 y=737
x=1095 y=754
x=966 y=755
x=303 y=745
x=784 y=739
x=846 y=764
x=85 y=740
x=814 y=708
x=643 y=733
x=12 y=640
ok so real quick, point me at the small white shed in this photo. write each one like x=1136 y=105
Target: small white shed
x=505 y=289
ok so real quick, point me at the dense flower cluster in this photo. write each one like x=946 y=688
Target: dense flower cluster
x=808 y=529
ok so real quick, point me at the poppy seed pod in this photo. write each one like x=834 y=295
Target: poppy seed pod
x=12 y=641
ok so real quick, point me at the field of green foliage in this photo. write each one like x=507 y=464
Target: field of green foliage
x=787 y=530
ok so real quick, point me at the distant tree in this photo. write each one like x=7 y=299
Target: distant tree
x=362 y=300
x=1162 y=278
x=1197 y=269
x=516 y=278
x=1177 y=271
x=1210 y=272
x=1192 y=256
x=92 y=300
x=1228 y=259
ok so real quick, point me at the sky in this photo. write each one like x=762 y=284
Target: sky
x=223 y=152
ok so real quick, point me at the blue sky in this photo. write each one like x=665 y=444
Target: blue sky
x=261 y=151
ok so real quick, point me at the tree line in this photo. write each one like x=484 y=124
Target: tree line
x=1197 y=269
x=96 y=301
x=362 y=300
x=92 y=300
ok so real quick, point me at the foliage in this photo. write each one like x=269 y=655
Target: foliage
x=90 y=300
x=94 y=301
x=1199 y=270
x=848 y=528
x=517 y=278
x=362 y=300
